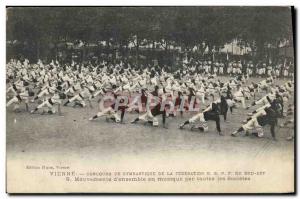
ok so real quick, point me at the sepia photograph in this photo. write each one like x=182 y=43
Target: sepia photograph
x=150 y=99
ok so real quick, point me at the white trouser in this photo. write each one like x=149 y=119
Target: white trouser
x=199 y=116
x=78 y=98
x=149 y=117
x=46 y=104
x=201 y=95
x=43 y=92
x=262 y=101
x=109 y=112
x=98 y=93
x=241 y=99
x=230 y=102
x=253 y=124
x=221 y=70
x=11 y=89
x=15 y=100
x=12 y=101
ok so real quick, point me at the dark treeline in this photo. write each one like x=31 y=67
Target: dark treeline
x=40 y=31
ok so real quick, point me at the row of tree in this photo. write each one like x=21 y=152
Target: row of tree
x=209 y=28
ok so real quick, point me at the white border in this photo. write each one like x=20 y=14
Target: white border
x=4 y=3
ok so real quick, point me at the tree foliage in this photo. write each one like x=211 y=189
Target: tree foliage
x=204 y=27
